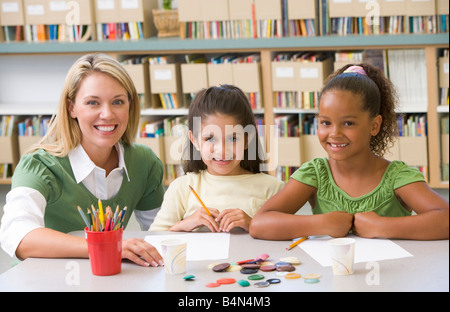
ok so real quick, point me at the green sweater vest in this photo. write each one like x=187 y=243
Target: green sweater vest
x=53 y=178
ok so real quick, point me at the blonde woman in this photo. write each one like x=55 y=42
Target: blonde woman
x=87 y=154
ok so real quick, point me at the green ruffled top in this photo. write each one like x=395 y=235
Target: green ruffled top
x=382 y=199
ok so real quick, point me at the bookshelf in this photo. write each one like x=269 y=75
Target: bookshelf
x=59 y=56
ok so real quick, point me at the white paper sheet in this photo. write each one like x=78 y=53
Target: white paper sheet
x=366 y=250
x=200 y=246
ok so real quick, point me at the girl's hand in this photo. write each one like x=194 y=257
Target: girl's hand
x=141 y=252
x=197 y=219
x=337 y=223
x=231 y=218
x=365 y=224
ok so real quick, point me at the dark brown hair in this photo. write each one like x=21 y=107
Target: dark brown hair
x=378 y=95
x=227 y=100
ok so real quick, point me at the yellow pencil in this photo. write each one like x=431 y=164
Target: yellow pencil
x=297 y=242
x=100 y=213
x=206 y=209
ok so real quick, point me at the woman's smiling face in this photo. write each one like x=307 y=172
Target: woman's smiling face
x=101 y=108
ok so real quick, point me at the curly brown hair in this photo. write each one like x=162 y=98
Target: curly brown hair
x=378 y=95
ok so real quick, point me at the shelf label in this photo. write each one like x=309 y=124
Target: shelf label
x=130 y=4
x=284 y=72
x=162 y=74
x=105 y=4
x=57 y=6
x=35 y=9
x=10 y=7
x=309 y=73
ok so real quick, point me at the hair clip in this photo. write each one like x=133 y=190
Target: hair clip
x=356 y=69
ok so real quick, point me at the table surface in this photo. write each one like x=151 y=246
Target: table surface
x=427 y=270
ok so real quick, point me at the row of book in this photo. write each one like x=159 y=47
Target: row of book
x=389 y=25
x=33 y=126
x=283 y=18
x=412 y=125
x=124 y=31
x=76 y=20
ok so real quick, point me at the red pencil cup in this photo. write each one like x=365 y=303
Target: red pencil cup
x=105 y=251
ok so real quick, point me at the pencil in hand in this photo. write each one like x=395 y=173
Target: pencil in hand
x=198 y=198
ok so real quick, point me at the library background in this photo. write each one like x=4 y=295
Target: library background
x=277 y=51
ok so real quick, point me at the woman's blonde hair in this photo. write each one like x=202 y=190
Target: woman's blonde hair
x=64 y=133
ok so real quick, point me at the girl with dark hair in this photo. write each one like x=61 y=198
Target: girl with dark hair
x=355 y=188
x=222 y=164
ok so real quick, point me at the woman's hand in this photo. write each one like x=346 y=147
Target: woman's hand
x=141 y=252
x=231 y=218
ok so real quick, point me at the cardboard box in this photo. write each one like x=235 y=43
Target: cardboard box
x=189 y=10
x=194 y=77
x=106 y=11
x=443 y=72
x=301 y=9
x=139 y=73
x=267 y=9
x=420 y=8
x=164 y=78
x=156 y=144
x=36 y=12
x=219 y=74
x=311 y=148
x=173 y=150
x=247 y=76
x=313 y=74
x=300 y=76
x=392 y=8
x=214 y=10
x=289 y=152
x=11 y=13
x=284 y=76
x=341 y=8
x=442 y=7
x=414 y=151
x=394 y=152
x=25 y=142
x=240 y=9
x=10 y=150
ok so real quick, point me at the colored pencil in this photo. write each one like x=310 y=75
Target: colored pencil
x=111 y=221
x=84 y=217
x=100 y=213
x=203 y=205
x=297 y=242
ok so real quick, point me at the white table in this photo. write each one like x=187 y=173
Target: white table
x=427 y=270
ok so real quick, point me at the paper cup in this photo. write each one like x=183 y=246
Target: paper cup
x=174 y=255
x=105 y=251
x=342 y=253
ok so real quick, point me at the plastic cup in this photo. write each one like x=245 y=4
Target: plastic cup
x=105 y=251
x=342 y=253
x=174 y=255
